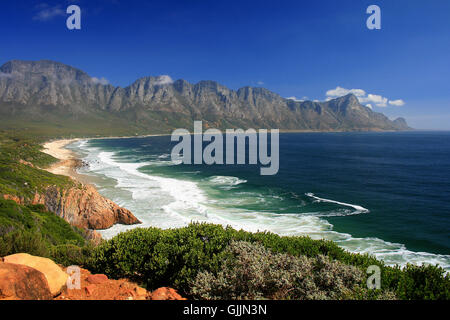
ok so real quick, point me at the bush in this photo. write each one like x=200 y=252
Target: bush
x=20 y=241
x=158 y=257
x=34 y=230
x=175 y=257
x=425 y=282
x=251 y=271
x=69 y=254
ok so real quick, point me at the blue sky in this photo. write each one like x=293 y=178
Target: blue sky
x=300 y=49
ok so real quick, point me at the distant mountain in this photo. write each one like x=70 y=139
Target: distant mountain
x=59 y=96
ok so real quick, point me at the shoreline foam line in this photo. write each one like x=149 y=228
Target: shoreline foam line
x=354 y=206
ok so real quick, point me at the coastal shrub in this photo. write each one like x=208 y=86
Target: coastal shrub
x=36 y=219
x=128 y=254
x=426 y=282
x=69 y=254
x=158 y=257
x=54 y=229
x=34 y=230
x=174 y=257
x=251 y=271
x=21 y=241
x=14 y=215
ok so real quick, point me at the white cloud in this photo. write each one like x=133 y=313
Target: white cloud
x=297 y=100
x=397 y=103
x=339 y=92
x=259 y=83
x=369 y=99
x=101 y=81
x=163 y=79
x=46 y=13
x=376 y=99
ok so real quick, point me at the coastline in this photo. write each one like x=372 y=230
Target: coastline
x=100 y=212
x=68 y=161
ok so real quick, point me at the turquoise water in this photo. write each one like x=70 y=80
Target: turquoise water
x=380 y=193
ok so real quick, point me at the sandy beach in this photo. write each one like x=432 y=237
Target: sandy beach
x=68 y=160
x=57 y=150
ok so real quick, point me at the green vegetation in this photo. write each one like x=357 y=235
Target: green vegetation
x=251 y=271
x=181 y=257
x=34 y=230
x=97 y=123
x=20 y=160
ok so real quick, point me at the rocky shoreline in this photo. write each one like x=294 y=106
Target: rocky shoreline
x=82 y=206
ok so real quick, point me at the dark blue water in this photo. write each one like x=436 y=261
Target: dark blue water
x=402 y=179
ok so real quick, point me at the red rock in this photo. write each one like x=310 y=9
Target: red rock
x=19 y=282
x=84 y=207
x=97 y=278
x=165 y=293
x=140 y=291
x=90 y=289
x=93 y=236
x=55 y=276
x=18 y=200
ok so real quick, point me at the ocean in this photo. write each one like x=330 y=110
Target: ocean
x=386 y=194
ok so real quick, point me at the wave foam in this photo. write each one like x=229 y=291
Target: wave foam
x=226 y=182
x=358 y=208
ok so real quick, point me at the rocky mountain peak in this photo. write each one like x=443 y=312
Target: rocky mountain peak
x=50 y=70
x=401 y=123
x=43 y=88
x=348 y=100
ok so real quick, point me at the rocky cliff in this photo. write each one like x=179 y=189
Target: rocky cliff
x=57 y=94
x=84 y=207
x=81 y=206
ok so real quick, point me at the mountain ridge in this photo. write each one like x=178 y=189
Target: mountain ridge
x=57 y=94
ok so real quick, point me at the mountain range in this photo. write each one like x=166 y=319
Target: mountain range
x=60 y=97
